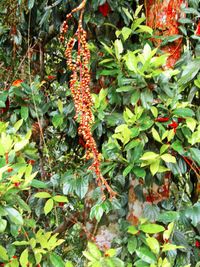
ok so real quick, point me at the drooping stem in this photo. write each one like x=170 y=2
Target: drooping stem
x=80 y=89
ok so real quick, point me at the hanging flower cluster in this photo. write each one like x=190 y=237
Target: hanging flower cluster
x=163 y=16
x=80 y=89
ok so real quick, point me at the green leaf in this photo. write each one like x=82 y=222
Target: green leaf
x=118 y=48
x=177 y=146
x=128 y=14
x=21 y=243
x=152 y=228
x=42 y=195
x=111 y=252
x=24 y=112
x=195 y=154
x=14 y=216
x=193 y=213
x=144 y=28
x=137 y=11
x=139 y=172
x=183 y=112
x=191 y=123
x=132 y=244
x=30 y=4
x=18 y=124
x=20 y=145
x=164 y=148
x=131 y=61
x=81 y=187
x=48 y=206
x=132 y=230
x=56 y=260
x=189 y=73
x=168 y=216
x=153 y=244
x=24 y=258
x=149 y=156
x=154 y=111
x=57 y=120
x=89 y=256
x=151 y=212
x=127 y=170
x=94 y=251
x=3 y=254
x=140 y=263
x=96 y=212
x=3 y=224
x=167 y=233
x=167 y=247
x=60 y=106
x=125 y=88
x=146 y=255
x=156 y=135
x=154 y=167
x=126 y=32
x=38 y=184
x=168 y=158
x=68 y=264
x=60 y=199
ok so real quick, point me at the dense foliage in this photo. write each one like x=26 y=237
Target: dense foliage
x=118 y=186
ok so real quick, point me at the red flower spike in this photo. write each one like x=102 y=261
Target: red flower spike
x=173 y=125
x=162 y=119
x=14 y=257
x=17 y=83
x=61 y=204
x=104 y=9
x=197 y=244
x=17 y=184
x=197 y=32
x=51 y=77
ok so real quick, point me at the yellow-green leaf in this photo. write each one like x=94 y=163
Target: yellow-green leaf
x=48 y=206
x=24 y=258
x=42 y=195
x=3 y=254
x=149 y=156
x=168 y=158
x=156 y=135
x=60 y=199
x=191 y=123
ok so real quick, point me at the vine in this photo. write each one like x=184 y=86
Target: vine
x=80 y=89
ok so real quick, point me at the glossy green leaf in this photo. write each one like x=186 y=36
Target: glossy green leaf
x=42 y=195
x=24 y=258
x=132 y=244
x=3 y=254
x=152 y=228
x=184 y=112
x=3 y=224
x=146 y=255
x=168 y=158
x=14 y=216
x=30 y=4
x=60 y=199
x=56 y=260
x=48 y=206
x=153 y=244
